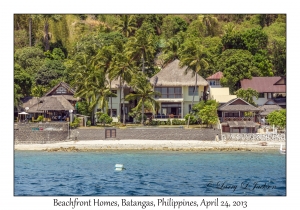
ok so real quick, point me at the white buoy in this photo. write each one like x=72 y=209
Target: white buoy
x=119 y=167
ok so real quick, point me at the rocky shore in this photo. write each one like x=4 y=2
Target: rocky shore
x=167 y=145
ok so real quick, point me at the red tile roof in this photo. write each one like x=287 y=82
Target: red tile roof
x=264 y=84
x=217 y=75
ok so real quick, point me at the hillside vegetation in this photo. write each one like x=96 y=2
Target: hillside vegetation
x=87 y=51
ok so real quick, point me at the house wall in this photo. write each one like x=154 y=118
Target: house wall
x=186 y=97
x=261 y=101
x=221 y=95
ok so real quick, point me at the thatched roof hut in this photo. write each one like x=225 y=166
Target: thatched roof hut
x=174 y=75
x=58 y=103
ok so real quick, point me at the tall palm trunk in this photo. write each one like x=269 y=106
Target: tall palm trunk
x=123 y=103
x=120 y=104
x=110 y=99
x=46 y=36
x=142 y=121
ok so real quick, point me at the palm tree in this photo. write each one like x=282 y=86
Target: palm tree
x=211 y=23
x=171 y=50
x=91 y=84
x=127 y=25
x=142 y=46
x=105 y=58
x=45 y=18
x=123 y=68
x=143 y=92
x=192 y=55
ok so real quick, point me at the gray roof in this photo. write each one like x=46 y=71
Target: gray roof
x=267 y=109
x=58 y=103
x=237 y=104
x=174 y=75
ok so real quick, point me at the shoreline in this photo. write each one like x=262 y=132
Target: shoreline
x=152 y=145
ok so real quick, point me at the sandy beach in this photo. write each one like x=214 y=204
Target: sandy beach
x=172 y=145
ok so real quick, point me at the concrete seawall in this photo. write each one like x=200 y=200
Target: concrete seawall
x=41 y=137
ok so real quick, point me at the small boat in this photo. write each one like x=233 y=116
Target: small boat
x=281 y=150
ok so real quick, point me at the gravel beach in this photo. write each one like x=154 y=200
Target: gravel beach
x=172 y=145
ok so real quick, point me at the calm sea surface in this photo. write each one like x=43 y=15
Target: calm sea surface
x=149 y=173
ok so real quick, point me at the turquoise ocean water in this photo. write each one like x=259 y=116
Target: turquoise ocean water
x=153 y=173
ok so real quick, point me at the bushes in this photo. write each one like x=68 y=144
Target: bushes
x=88 y=123
x=178 y=122
x=174 y=122
x=75 y=123
x=40 y=118
x=104 y=118
x=193 y=119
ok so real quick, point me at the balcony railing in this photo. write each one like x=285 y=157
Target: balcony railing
x=224 y=119
x=163 y=116
x=175 y=95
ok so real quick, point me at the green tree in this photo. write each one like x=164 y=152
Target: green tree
x=208 y=115
x=192 y=55
x=247 y=95
x=17 y=97
x=29 y=58
x=23 y=80
x=143 y=92
x=123 y=68
x=172 y=25
x=142 y=46
x=46 y=18
x=126 y=25
x=277 y=118
x=211 y=24
x=236 y=65
x=171 y=49
x=51 y=70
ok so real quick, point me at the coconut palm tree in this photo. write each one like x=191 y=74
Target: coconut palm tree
x=192 y=55
x=105 y=58
x=141 y=47
x=123 y=68
x=45 y=19
x=126 y=25
x=171 y=49
x=143 y=92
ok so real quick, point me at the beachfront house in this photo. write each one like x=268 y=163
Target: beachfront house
x=177 y=89
x=55 y=105
x=238 y=116
x=272 y=90
x=216 y=91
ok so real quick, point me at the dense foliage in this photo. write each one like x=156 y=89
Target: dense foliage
x=277 y=118
x=89 y=50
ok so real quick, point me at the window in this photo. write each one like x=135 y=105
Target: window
x=169 y=92
x=261 y=95
x=191 y=91
x=61 y=90
x=217 y=82
x=114 y=112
